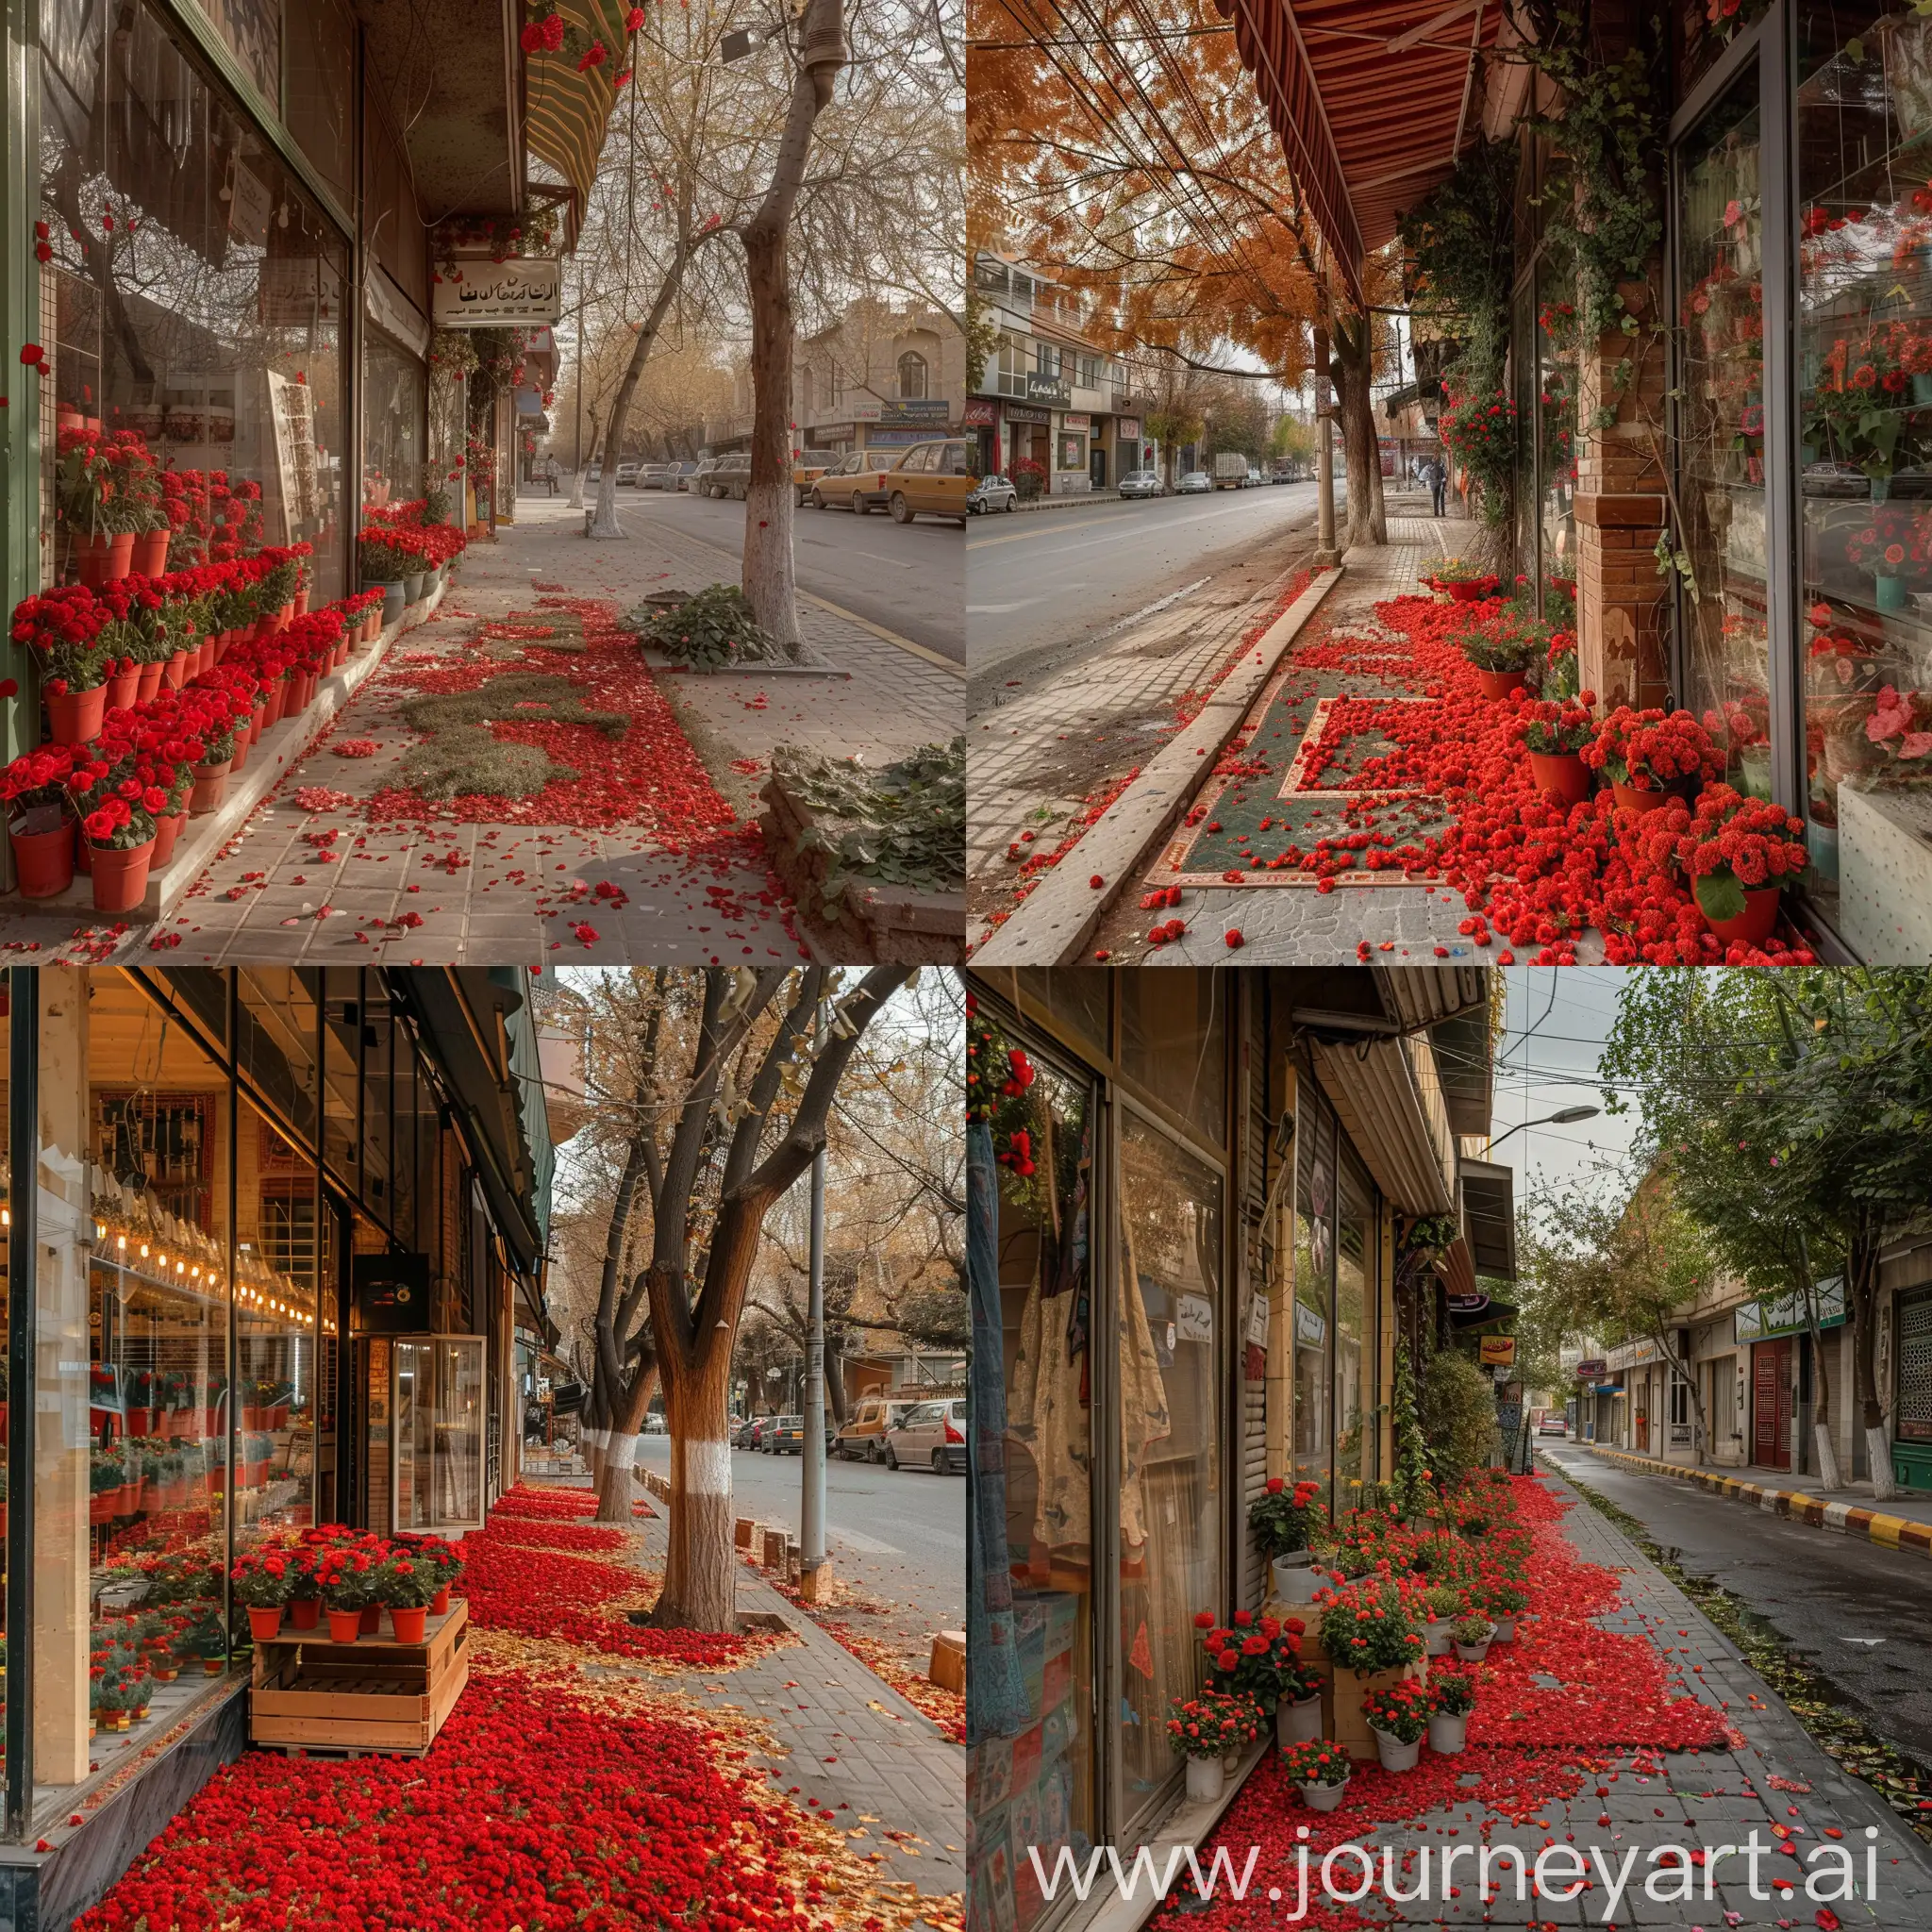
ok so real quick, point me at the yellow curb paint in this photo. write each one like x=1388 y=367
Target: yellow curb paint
x=1884 y=1529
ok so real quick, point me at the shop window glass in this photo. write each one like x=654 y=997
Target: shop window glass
x=1704 y=31
x=274 y=1045
x=1522 y=377
x=341 y=1036
x=1076 y=998
x=319 y=101
x=157 y=1425
x=1173 y=1044
x=395 y=225
x=253 y=29
x=1721 y=445
x=1037 y=1786
x=375 y=1031
x=393 y=423
x=1356 y=1278
x=1171 y=1498
x=1314 y=1274
x=1556 y=417
x=429 y=1174
x=403 y=1142
x=1865 y=375
x=277 y=1270
x=193 y=295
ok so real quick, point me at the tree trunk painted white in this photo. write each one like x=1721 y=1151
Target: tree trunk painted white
x=615 y=1492
x=1878 y=1453
x=769 y=579
x=700 y=1573
x=1827 y=1455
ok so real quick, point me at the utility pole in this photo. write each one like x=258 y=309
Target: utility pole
x=576 y=443
x=811 y=1534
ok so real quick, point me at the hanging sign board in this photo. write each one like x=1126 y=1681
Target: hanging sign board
x=1499 y=1351
x=392 y=1294
x=492 y=294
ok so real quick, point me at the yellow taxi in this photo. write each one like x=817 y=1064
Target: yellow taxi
x=807 y=466
x=930 y=479
x=857 y=483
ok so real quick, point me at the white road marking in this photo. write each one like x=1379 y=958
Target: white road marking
x=867 y=1545
x=999 y=609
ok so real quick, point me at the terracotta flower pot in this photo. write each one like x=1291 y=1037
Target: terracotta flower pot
x=345 y=1626
x=305 y=1612
x=440 y=1608
x=1497 y=685
x=123 y=689
x=301 y=601
x=266 y=1625
x=176 y=669
x=167 y=831
x=75 y=716
x=151 y=552
x=409 y=1624
x=121 y=877
x=211 y=787
x=277 y=696
x=1635 y=798
x=213 y=1666
x=150 y=681
x=240 y=757
x=1562 y=773
x=1752 y=925
x=42 y=840
x=1470 y=592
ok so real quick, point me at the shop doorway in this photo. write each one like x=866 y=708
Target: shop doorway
x=1771 y=1403
x=1096 y=466
x=424 y=1408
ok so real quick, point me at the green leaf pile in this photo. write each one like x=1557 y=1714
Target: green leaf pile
x=710 y=630
x=901 y=824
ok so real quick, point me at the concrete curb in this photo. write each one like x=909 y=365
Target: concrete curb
x=1052 y=925
x=1874 y=1525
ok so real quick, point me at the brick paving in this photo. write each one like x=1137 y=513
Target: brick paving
x=450 y=892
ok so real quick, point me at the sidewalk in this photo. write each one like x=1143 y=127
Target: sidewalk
x=844 y=1738
x=650 y=854
x=1904 y=1523
x=1766 y=1774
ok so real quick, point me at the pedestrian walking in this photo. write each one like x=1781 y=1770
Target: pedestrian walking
x=550 y=473
x=1439 y=485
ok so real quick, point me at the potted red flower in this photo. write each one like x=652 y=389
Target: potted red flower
x=1462 y=583
x=40 y=824
x=1738 y=853
x=1647 y=755
x=1321 y=1771
x=347 y=1578
x=1398 y=1714
x=1554 y=735
x=116 y=806
x=263 y=1582
x=64 y=628
x=1209 y=1729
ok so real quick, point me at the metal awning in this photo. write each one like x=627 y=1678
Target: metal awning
x=1375 y=1093
x=1488 y=1214
x=1370 y=100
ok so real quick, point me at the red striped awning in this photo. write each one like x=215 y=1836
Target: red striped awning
x=567 y=108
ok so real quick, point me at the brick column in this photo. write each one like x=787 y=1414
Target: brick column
x=1621 y=610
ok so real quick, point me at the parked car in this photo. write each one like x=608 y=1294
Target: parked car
x=990 y=494
x=741 y=1431
x=1143 y=483
x=1553 y=1426
x=858 y=484
x=700 y=477
x=864 y=1434
x=1256 y=479
x=931 y=1434
x=930 y=479
x=1196 y=481
x=626 y=473
x=679 y=476
x=656 y=1425
x=731 y=477
x=807 y=466
x=595 y=473
x=652 y=476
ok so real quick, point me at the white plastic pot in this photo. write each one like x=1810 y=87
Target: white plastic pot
x=1298 y=1723
x=1295 y=1581
x=1473 y=1653
x=1505 y=1630
x=1324 y=1797
x=1448 y=1734
x=1205 y=1778
x=1394 y=1753
x=1438 y=1637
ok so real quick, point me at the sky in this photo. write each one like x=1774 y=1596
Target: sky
x=1556 y=1021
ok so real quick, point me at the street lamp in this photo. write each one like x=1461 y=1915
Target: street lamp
x=1563 y=1118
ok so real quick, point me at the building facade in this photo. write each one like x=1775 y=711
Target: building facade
x=882 y=379
x=1190 y=1267
x=1051 y=406
x=276 y=1242
x=232 y=232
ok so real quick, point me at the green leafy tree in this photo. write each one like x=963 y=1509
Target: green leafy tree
x=1459 y=1417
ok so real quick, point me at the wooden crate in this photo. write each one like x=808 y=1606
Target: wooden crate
x=374 y=1695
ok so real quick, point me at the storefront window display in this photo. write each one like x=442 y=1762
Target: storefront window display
x=1172 y=1504
x=1721 y=443
x=1036 y=1787
x=192 y=298
x=1555 y=418
x=1864 y=150
x=1314 y=1263
x=393 y=421
x=1355 y=1359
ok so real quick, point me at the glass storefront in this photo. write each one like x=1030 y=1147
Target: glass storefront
x=196 y=1273
x=393 y=421
x=191 y=295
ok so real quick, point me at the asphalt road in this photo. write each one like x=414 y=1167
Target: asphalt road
x=1860 y=1614
x=901 y=1536
x=1055 y=578
x=906 y=578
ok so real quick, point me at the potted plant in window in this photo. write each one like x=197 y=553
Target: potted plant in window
x=1284 y=1521
x=261 y=1581
x=1398 y=1714
x=1321 y=1771
x=1207 y=1730
x=1452 y=1697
